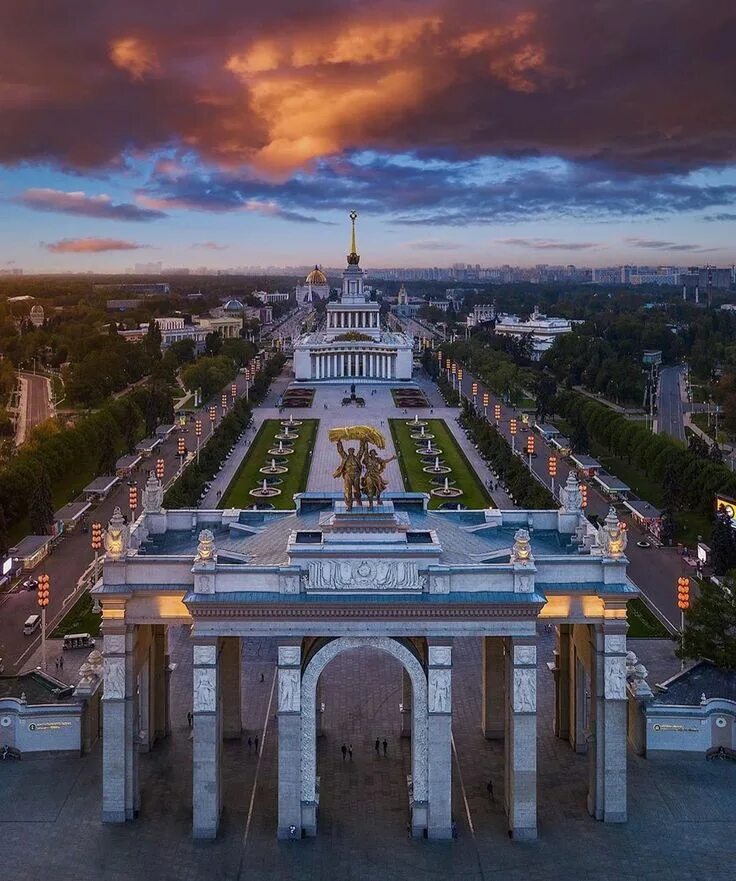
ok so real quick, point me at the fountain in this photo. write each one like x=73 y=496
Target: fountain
x=265 y=491
x=437 y=468
x=281 y=450
x=447 y=491
x=285 y=434
x=273 y=468
x=423 y=434
x=291 y=422
x=429 y=450
x=416 y=422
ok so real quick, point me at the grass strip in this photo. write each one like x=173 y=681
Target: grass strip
x=416 y=480
x=248 y=475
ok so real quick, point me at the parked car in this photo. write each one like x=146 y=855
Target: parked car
x=30 y=584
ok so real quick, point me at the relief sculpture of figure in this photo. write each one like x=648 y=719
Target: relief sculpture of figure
x=350 y=469
x=373 y=482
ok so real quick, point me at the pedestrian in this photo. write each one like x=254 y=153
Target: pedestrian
x=56 y=662
x=489 y=790
x=189 y=718
x=250 y=744
x=61 y=662
x=454 y=829
x=262 y=677
x=385 y=746
x=344 y=752
x=256 y=744
x=378 y=747
x=350 y=752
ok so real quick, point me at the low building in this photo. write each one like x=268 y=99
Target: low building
x=645 y=515
x=315 y=285
x=125 y=465
x=100 y=487
x=540 y=329
x=611 y=485
x=29 y=552
x=147 y=445
x=71 y=515
x=272 y=297
x=587 y=464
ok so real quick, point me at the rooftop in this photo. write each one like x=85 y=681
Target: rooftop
x=687 y=688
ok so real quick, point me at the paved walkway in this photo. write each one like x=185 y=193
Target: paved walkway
x=682 y=811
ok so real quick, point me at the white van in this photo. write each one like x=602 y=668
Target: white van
x=33 y=622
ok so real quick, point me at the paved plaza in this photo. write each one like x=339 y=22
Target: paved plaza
x=681 y=810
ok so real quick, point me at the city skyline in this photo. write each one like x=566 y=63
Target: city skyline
x=459 y=133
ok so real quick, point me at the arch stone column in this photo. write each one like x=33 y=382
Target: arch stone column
x=440 y=742
x=420 y=731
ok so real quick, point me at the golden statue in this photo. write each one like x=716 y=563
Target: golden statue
x=352 y=463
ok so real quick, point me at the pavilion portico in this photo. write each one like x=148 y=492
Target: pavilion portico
x=398 y=579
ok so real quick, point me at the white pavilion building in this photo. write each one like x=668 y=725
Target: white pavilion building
x=352 y=344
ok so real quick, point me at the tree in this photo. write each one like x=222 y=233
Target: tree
x=723 y=547
x=107 y=455
x=183 y=351
x=710 y=624
x=668 y=528
x=3 y=533
x=213 y=343
x=579 y=440
x=41 y=505
x=152 y=341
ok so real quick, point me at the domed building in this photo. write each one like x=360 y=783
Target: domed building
x=353 y=345
x=37 y=316
x=315 y=284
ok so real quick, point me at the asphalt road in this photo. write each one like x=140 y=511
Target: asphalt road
x=670 y=413
x=653 y=570
x=68 y=561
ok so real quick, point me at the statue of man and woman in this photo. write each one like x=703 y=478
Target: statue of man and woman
x=361 y=472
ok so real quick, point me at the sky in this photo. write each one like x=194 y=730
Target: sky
x=229 y=134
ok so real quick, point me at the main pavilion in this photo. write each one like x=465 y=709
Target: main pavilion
x=353 y=345
x=399 y=578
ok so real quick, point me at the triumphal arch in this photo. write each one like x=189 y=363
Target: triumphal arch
x=341 y=571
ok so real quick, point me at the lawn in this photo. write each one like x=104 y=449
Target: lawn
x=643 y=623
x=415 y=480
x=248 y=475
x=79 y=619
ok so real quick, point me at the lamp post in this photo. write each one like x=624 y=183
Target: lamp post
x=583 y=495
x=497 y=416
x=247 y=382
x=181 y=452
x=474 y=390
x=213 y=417
x=233 y=391
x=683 y=603
x=198 y=434
x=223 y=403
x=160 y=469
x=132 y=500
x=486 y=401
x=460 y=381
x=552 y=470
x=96 y=545
x=512 y=429
x=530 y=449
x=42 y=598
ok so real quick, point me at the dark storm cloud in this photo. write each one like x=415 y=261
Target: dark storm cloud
x=412 y=192
x=644 y=86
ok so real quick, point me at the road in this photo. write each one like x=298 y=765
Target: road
x=73 y=554
x=653 y=570
x=670 y=410
x=37 y=401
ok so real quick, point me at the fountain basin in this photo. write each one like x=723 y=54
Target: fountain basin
x=429 y=451
x=283 y=451
x=447 y=492
x=274 y=469
x=415 y=436
x=266 y=493
x=437 y=469
x=284 y=436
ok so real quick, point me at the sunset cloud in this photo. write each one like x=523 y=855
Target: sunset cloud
x=43 y=199
x=209 y=246
x=134 y=56
x=90 y=245
x=548 y=244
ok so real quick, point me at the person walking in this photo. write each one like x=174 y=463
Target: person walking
x=61 y=662
x=378 y=747
x=385 y=746
x=256 y=744
x=489 y=790
x=250 y=744
x=344 y=751
x=56 y=663
x=350 y=752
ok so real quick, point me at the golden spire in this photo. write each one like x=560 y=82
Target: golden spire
x=353 y=256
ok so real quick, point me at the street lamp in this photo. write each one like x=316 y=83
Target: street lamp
x=583 y=495
x=474 y=390
x=530 y=449
x=198 y=434
x=160 y=469
x=132 y=500
x=233 y=391
x=486 y=401
x=512 y=429
x=43 y=592
x=497 y=415
x=213 y=417
x=552 y=469
x=96 y=545
x=460 y=381
x=223 y=402
x=247 y=382
x=683 y=603
x=181 y=452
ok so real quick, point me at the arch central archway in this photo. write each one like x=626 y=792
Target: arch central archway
x=419 y=727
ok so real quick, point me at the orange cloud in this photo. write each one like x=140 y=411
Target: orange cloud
x=134 y=56
x=90 y=245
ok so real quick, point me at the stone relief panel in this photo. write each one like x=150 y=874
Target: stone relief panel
x=440 y=656
x=615 y=643
x=203 y=582
x=290 y=655
x=114 y=678
x=419 y=709
x=115 y=644
x=525 y=690
x=289 y=691
x=614 y=678
x=440 y=691
x=204 y=680
x=524 y=583
x=525 y=654
x=360 y=575
x=204 y=654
